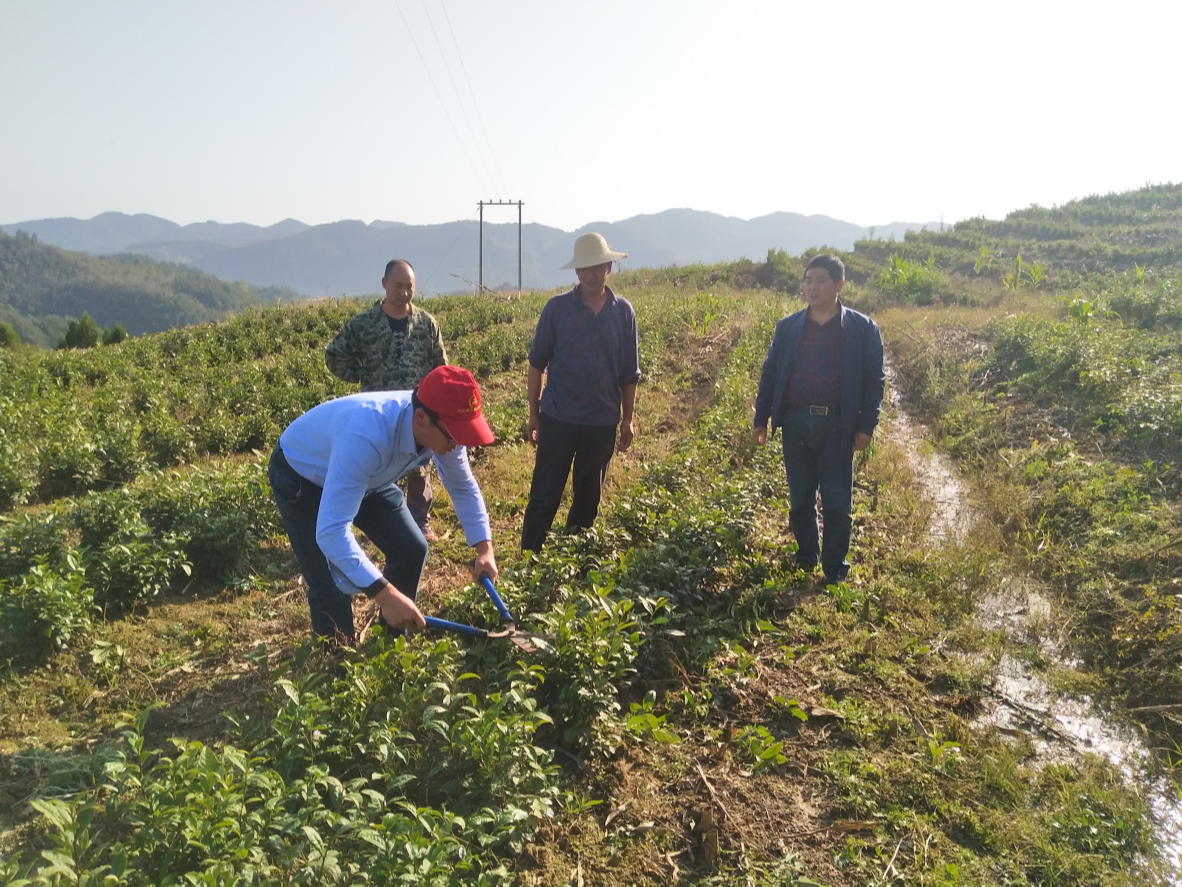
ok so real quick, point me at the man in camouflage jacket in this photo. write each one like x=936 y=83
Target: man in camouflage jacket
x=390 y=347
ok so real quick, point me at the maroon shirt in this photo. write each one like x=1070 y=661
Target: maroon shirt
x=816 y=367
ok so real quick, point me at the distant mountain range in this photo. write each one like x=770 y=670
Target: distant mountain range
x=348 y=257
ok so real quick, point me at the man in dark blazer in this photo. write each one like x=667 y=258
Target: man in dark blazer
x=822 y=385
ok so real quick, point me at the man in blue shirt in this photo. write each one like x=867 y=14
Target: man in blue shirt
x=587 y=343
x=336 y=467
x=822 y=384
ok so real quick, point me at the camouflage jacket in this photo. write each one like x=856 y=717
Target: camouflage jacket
x=367 y=351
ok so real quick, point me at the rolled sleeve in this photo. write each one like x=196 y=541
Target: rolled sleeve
x=630 y=353
x=541 y=351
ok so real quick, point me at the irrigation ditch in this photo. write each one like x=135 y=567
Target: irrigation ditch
x=1019 y=700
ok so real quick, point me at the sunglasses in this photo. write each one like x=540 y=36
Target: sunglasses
x=443 y=431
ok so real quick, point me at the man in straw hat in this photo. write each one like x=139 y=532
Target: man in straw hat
x=335 y=468
x=587 y=344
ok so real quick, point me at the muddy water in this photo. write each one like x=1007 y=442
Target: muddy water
x=1022 y=702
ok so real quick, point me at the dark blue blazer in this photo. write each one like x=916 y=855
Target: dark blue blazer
x=862 y=373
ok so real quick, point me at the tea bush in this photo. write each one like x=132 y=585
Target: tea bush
x=44 y=609
x=910 y=282
x=1111 y=376
x=390 y=774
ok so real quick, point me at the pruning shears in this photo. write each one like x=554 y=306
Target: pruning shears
x=526 y=640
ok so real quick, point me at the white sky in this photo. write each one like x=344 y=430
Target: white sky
x=869 y=112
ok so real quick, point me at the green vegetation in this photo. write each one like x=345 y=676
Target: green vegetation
x=705 y=713
x=43 y=288
x=1074 y=427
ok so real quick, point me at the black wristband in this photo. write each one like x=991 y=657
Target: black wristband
x=374 y=587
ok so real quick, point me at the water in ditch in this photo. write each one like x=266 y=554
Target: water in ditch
x=1022 y=702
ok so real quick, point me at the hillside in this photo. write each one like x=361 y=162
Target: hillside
x=43 y=286
x=989 y=699
x=1098 y=234
x=346 y=257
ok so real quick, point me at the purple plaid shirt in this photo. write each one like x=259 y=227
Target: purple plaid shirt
x=816 y=368
x=588 y=358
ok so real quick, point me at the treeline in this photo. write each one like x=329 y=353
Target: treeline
x=43 y=288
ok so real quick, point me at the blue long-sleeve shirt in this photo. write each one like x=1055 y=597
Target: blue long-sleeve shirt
x=357 y=444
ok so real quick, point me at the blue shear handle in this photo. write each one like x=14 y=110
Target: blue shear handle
x=444 y=625
x=496 y=598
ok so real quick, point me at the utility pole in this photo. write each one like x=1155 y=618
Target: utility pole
x=482 y=204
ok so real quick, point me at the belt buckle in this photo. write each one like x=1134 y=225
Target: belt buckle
x=818 y=411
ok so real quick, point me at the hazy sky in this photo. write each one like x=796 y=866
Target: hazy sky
x=870 y=112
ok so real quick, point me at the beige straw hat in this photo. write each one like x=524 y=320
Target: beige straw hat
x=590 y=250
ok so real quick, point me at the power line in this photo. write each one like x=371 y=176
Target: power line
x=472 y=95
x=443 y=105
x=459 y=99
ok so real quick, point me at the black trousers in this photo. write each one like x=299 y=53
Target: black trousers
x=817 y=456
x=590 y=448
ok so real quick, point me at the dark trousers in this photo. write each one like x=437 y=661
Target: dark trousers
x=816 y=457
x=419 y=496
x=590 y=448
x=383 y=517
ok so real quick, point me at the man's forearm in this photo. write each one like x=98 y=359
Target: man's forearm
x=628 y=402
x=534 y=389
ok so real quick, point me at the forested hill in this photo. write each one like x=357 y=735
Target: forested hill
x=42 y=287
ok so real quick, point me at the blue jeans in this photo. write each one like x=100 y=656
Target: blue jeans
x=816 y=457
x=383 y=517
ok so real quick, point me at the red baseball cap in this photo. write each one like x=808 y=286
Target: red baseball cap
x=452 y=392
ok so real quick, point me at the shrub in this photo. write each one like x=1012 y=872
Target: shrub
x=68 y=464
x=44 y=609
x=127 y=561
x=82 y=333
x=1147 y=307
x=18 y=470
x=136 y=567
x=8 y=336
x=780 y=272
x=114 y=335
x=910 y=282
x=29 y=538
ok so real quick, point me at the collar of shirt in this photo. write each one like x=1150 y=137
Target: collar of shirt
x=839 y=316
x=576 y=294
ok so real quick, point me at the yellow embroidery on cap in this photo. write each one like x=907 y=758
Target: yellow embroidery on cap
x=472 y=408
